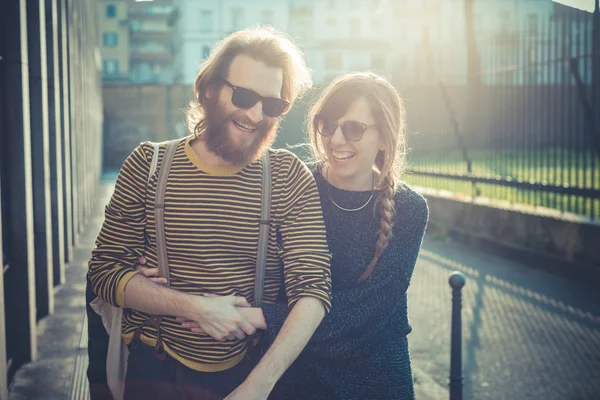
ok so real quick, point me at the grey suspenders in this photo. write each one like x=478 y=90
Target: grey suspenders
x=159 y=210
x=263 y=233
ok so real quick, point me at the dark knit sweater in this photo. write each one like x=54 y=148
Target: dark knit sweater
x=360 y=350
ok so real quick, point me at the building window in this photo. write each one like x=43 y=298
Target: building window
x=358 y=61
x=378 y=62
x=205 y=52
x=354 y=28
x=237 y=19
x=111 y=11
x=333 y=61
x=532 y=25
x=504 y=23
x=206 y=21
x=110 y=67
x=267 y=17
x=110 y=39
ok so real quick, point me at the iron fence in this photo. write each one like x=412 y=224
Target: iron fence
x=527 y=129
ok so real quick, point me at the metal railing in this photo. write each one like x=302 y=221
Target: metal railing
x=527 y=131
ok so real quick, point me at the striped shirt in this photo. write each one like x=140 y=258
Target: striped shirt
x=211 y=219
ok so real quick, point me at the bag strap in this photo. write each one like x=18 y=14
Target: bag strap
x=159 y=206
x=263 y=232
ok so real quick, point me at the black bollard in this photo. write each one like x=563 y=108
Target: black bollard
x=456 y=281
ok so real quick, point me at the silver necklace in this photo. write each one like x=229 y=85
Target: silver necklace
x=349 y=209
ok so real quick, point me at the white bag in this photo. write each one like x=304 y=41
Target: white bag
x=116 y=359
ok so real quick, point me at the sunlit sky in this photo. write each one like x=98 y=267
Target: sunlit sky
x=587 y=5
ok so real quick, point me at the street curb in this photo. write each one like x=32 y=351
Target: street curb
x=426 y=388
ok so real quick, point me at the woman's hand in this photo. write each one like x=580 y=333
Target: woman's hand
x=254 y=315
x=150 y=273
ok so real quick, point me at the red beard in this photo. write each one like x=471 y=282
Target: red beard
x=217 y=136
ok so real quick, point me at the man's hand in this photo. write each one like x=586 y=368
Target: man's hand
x=150 y=273
x=254 y=315
x=220 y=318
x=217 y=316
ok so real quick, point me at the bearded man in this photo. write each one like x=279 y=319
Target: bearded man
x=212 y=211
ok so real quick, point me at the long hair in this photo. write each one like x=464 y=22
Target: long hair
x=390 y=116
x=264 y=44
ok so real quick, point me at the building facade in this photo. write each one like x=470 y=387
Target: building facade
x=114 y=39
x=202 y=23
x=410 y=41
x=137 y=41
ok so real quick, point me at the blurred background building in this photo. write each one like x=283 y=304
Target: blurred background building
x=416 y=41
x=138 y=41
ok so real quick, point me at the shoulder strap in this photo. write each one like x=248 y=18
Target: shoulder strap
x=263 y=233
x=154 y=163
x=159 y=208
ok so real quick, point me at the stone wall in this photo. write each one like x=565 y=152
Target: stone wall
x=563 y=243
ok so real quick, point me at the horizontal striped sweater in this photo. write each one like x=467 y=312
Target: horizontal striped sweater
x=211 y=228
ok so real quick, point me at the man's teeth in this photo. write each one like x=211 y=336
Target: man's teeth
x=342 y=155
x=245 y=127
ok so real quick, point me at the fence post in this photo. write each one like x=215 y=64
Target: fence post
x=456 y=281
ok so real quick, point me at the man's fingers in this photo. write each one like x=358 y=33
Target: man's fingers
x=159 y=281
x=142 y=260
x=239 y=301
x=247 y=327
x=148 y=272
x=190 y=324
x=197 y=330
x=239 y=334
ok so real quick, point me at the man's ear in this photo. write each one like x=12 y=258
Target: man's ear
x=211 y=91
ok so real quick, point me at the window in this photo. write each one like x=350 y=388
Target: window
x=110 y=67
x=378 y=62
x=205 y=51
x=354 y=24
x=237 y=19
x=110 y=39
x=532 y=25
x=267 y=17
x=358 y=61
x=206 y=21
x=425 y=34
x=504 y=27
x=111 y=11
x=333 y=61
x=377 y=26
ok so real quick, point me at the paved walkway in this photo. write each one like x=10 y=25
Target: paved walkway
x=527 y=334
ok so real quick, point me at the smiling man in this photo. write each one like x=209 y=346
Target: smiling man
x=212 y=215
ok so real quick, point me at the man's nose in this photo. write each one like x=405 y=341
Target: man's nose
x=255 y=113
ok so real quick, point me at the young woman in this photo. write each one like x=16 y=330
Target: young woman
x=375 y=225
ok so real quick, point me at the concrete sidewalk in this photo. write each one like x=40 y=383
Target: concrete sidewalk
x=527 y=334
x=58 y=373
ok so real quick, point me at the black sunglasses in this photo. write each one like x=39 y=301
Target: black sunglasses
x=245 y=98
x=352 y=130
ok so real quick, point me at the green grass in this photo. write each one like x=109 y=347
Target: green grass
x=555 y=167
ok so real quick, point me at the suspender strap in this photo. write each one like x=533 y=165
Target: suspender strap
x=154 y=163
x=263 y=235
x=159 y=210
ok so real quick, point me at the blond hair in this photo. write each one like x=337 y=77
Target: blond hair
x=264 y=44
x=390 y=116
